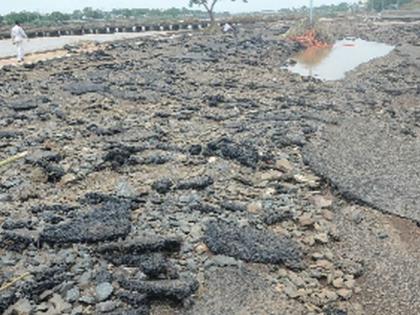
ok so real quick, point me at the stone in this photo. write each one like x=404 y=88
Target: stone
x=284 y=165
x=345 y=294
x=106 y=307
x=357 y=216
x=291 y=291
x=338 y=283
x=324 y=264
x=68 y=179
x=320 y=201
x=255 y=207
x=104 y=291
x=201 y=249
x=328 y=295
x=60 y=306
x=72 y=295
x=306 y=220
x=22 y=307
x=78 y=310
x=328 y=215
x=86 y=299
x=349 y=284
x=322 y=238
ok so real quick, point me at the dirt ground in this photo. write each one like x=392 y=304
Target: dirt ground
x=196 y=175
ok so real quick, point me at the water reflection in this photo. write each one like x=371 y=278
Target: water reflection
x=334 y=62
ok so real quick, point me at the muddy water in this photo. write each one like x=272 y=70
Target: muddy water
x=334 y=62
x=51 y=43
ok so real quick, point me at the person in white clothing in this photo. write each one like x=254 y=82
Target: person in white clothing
x=227 y=28
x=18 y=35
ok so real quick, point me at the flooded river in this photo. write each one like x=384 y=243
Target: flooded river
x=334 y=62
x=42 y=44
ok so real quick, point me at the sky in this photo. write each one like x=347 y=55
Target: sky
x=224 y=5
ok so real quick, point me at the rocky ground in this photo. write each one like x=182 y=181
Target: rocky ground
x=195 y=175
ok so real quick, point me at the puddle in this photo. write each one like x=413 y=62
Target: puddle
x=334 y=62
x=43 y=44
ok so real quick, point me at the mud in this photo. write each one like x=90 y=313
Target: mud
x=172 y=170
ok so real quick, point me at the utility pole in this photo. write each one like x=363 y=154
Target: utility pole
x=311 y=11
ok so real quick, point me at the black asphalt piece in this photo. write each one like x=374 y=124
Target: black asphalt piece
x=233 y=206
x=252 y=245
x=40 y=157
x=11 y=224
x=204 y=207
x=14 y=242
x=81 y=88
x=10 y=134
x=119 y=156
x=195 y=149
x=199 y=182
x=6 y=299
x=145 y=253
x=274 y=216
x=97 y=198
x=371 y=162
x=163 y=185
x=44 y=280
x=142 y=245
x=153 y=265
x=176 y=290
x=23 y=105
x=58 y=208
x=243 y=153
x=53 y=171
x=214 y=100
x=108 y=222
x=155 y=159
x=133 y=299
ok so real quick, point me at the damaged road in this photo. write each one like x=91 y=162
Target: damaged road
x=191 y=175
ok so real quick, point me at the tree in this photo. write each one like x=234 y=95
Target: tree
x=58 y=17
x=380 y=5
x=209 y=6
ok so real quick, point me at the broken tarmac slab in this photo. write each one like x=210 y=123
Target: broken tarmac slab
x=107 y=222
x=176 y=290
x=370 y=161
x=252 y=245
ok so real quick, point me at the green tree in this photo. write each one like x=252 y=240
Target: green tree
x=379 y=5
x=58 y=17
x=209 y=6
x=77 y=15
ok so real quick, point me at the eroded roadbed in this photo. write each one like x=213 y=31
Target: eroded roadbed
x=167 y=176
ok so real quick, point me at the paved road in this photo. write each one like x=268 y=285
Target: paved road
x=371 y=161
x=51 y=43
